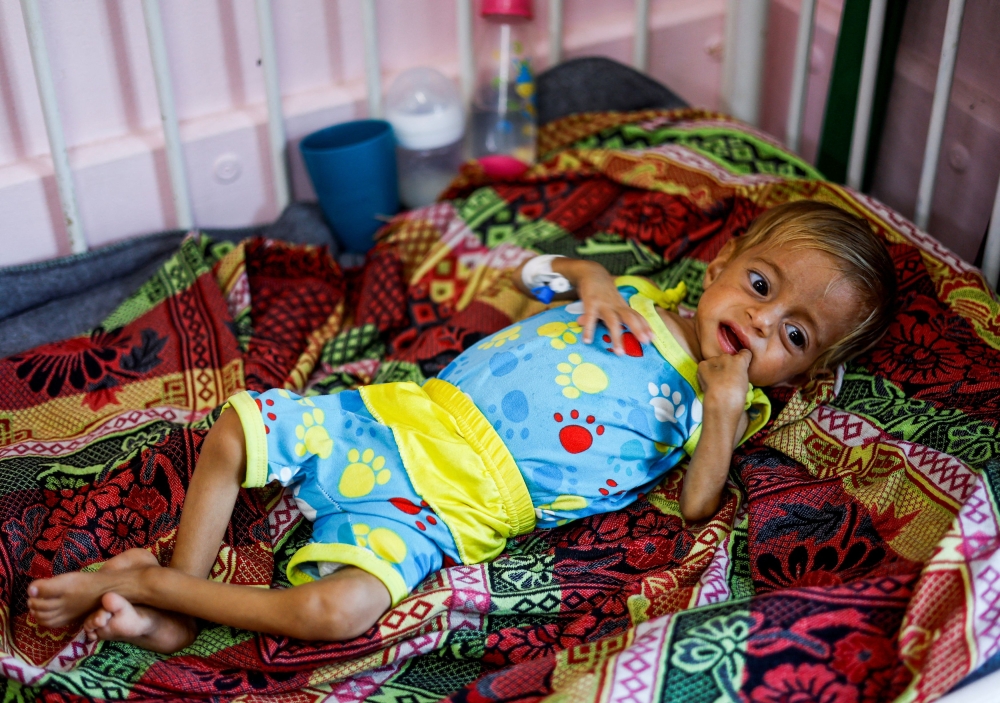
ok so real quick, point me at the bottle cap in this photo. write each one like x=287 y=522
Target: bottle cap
x=502 y=166
x=514 y=8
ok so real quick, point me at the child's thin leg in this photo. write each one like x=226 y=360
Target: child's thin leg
x=208 y=507
x=338 y=607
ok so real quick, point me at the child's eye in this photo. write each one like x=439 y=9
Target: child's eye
x=759 y=283
x=795 y=336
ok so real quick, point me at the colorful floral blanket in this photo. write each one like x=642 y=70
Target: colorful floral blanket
x=856 y=556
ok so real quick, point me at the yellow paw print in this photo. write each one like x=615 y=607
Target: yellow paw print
x=561 y=333
x=502 y=337
x=313 y=437
x=383 y=541
x=361 y=475
x=580 y=376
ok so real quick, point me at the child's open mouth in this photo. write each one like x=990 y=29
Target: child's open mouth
x=729 y=340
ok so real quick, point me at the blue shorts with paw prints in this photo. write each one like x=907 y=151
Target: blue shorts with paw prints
x=348 y=479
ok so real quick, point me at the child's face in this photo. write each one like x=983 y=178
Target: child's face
x=786 y=305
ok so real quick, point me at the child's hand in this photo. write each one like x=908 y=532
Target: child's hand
x=724 y=381
x=602 y=301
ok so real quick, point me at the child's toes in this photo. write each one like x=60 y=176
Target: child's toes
x=42 y=588
x=96 y=620
x=41 y=605
x=123 y=620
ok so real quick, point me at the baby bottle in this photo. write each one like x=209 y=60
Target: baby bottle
x=503 y=104
x=425 y=110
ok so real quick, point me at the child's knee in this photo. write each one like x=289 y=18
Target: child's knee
x=341 y=608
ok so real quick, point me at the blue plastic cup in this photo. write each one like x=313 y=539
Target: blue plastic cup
x=353 y=170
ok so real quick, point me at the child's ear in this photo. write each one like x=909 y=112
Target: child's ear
x=719 y=262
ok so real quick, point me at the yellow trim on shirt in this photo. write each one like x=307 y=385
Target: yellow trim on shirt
x=665 y=342
x=255 y=437
x=692 y=442
x=667 y=299
x=351 y=555
x=755 y=399
x=644 y=302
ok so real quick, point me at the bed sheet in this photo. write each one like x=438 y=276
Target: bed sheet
x=855 y=556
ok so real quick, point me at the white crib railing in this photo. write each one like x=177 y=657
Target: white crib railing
x=53 y=125
x=275 y=120
x=939 y=110
x=746 y=25
x=800 y=75
x=168 y=113
x=866 y=94
x=555 y=31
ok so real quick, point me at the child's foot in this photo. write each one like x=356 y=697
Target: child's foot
x=148 y=628
x=58 y=601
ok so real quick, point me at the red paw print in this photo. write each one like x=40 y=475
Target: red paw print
x=614 y=484
x=629 y=341
x=577 y=438
x=411 y=508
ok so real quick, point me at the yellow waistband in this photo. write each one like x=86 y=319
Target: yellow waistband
x=479 y=433
x=457 y=463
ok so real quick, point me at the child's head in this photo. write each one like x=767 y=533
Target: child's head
x=806 y=288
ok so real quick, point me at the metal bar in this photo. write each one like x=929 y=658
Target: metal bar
x=466 y=67
x=800 y=75
x=866 y=94
x=939 y=110
x=555 y=31
x=640 y=43
x=746 y=69
x=168 y=113
x=728 y=56
x=373 y=69
x=275 y=120
x=991 y=253
x=53 y=125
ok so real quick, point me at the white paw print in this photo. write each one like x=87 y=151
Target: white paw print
x=283 y=474
x=668 y=407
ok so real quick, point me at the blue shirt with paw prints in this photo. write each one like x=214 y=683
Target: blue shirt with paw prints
x=588 y=429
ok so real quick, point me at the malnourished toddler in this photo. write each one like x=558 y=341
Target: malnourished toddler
x=578 y=410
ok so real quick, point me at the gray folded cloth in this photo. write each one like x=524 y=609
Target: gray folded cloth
x=598 y=84
x=53 y=300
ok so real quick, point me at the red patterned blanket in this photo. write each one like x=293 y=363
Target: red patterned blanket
x=856 y=556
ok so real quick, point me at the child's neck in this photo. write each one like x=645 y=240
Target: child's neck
x=684 y=331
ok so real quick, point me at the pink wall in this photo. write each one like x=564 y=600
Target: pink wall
x=970 y=153
x=108 y=100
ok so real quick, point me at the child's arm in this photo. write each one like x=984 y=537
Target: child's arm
x=724 y=381
x=596 y=289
